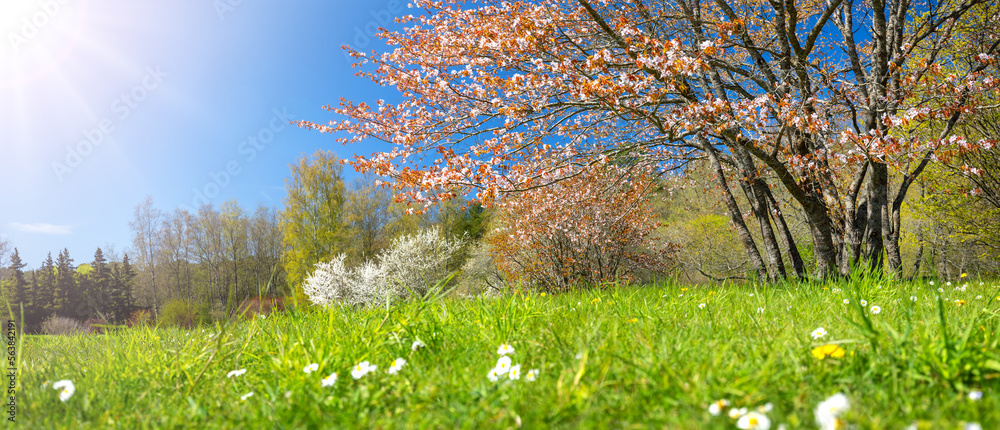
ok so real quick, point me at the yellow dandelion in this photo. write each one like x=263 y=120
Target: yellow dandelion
x=634 y=320
x=595 y=301
x=829 y=350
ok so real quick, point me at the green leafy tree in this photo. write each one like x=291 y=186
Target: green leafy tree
x=313 y=221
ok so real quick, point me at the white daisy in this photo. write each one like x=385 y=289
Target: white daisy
x=503 y=365
x=876 y=309
x=494 y=375
x=238 y=372
x=417 y=344
x=311 y=368
x=531 y=375
x=864 y=302
x=515 y=372
x=828 y=411
x=735 y=413
x=396 y=365
x=246 y=396
x=66 y=389
x=701 y=306
x=847 y=302
x=718 y=406
x=913 y=298
x=753 y=421
x=362 y=369
x=505 y=349
x=328 y=381
x=975 y=395
x=818 y=333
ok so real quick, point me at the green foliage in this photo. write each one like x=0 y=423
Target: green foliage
x=621 y=358
x=184 y=313
x=313 y=221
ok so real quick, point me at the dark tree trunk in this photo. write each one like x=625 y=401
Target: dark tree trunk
x=736 y=215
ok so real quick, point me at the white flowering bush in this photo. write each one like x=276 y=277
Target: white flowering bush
x=411 y=265
x=415 y=263
x=333 y=282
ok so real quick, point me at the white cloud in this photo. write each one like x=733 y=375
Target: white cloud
x=42 y=228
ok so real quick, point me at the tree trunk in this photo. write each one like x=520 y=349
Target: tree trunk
x=735 y=215
x=753 y=188
x=793 y=250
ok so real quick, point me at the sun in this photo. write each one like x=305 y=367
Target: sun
x=37 y=37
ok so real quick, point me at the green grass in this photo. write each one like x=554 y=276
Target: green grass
x=626 y=357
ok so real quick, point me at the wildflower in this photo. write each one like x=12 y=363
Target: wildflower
x=932 y=282
x=633 y=320
x=701 y=306
x=515 y=372
x=940 y=290
x=246 y=396
x=503 y=365
x=963 y=275
x=594 y=301
x=972 y=426
x=494 y=375
x=716 y=407
x=828 y=412
x=864 y=302
x=975 y=395
x=505 y=349
x=66 y=389
x=818 y=333
x=262 y=316
x=311 y=368
x=963 y=287
x=397 y=364
x=362 y=369
x=329 y=380
x=765 y=408
x=876 y=309
x=760 y=310
x=532 y=375
x=735 y=413
x=417 y=344
x=959 y=302
x=979 y=297
x=683 y=289
x=913 y=298
x=829 y=350
x=543 y=294
x=754 y=420
x=948 y=283
x=233 y=373
x=847 y=302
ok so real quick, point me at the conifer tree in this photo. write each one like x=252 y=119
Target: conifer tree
x=44 y=294
x=65 y=296
x=18 y=297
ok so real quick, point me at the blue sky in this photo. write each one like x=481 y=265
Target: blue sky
x=103 y=103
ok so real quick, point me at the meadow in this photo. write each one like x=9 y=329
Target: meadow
x=652 y=356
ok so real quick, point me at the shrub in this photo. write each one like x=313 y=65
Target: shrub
x=480 y=275
x=94 y=325
x=332 y=281
x=592 y=227
x=140 y=317
x=184 y=313
x=412 y=263
x=415 y=263
x=62 y=326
